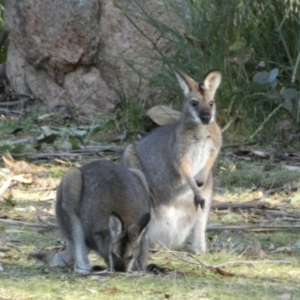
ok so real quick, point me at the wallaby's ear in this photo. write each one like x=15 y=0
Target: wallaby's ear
x=212 y=80
x=186 y=83
x=135 y=231
x=116 y=225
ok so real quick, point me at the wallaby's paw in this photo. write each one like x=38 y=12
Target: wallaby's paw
x=199 y=201
x=155 y=269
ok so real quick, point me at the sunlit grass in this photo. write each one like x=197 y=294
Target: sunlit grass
x=24 y=278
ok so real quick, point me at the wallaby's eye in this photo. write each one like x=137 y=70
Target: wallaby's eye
x=211 y=103
x=194 y=103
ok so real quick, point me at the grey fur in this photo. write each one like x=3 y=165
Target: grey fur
x=176 y=160
x=106 y=208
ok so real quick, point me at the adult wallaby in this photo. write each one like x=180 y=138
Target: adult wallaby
x=177 y=161
x=106 y=208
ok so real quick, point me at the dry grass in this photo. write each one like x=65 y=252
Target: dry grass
x=23 y=278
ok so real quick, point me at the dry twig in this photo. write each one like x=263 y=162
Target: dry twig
x=229 y=263
x=21 y=223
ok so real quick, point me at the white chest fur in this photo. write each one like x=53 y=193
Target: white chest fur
x=199 y=154
x=171 y=224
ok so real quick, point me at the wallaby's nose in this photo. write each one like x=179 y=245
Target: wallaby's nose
x=205 y=116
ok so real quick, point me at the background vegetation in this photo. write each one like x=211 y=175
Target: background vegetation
x=247 y=40
x=241 y=38
x=3 y=48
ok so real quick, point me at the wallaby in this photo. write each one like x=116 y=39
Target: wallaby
x=177 y=161
x=106 y=208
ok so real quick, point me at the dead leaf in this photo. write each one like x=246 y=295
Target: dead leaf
x=24 y=178
x=49 y=139
x=111 y=290
x=272 y=247
x=221 y=272
x=257 y=195
x=19 y=167
x=162 y=114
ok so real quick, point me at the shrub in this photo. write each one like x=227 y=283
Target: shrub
x=240 y=37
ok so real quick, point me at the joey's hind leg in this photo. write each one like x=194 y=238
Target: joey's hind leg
x=199 y=242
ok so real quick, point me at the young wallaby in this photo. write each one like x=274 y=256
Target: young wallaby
x=106 y=208
x=177 y=161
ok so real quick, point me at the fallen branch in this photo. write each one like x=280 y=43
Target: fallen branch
x=199 y=262
x=13 y=103
x=21 y=223
x=229 y=263
x=8 y=183
x=241 y=205
x=73 y=153
x=252 y=227
x=276 y=213
x=9 y=112
x=253 y=262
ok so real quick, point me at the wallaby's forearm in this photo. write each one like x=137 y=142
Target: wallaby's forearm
x=185 y=167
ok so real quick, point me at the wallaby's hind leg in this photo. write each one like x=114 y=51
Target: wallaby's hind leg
x=82 y=265
x=199 y=242
x=68 y=205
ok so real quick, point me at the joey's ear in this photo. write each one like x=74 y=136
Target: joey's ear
x=212 y=80
x=135 y=231
x=186 y=83
x=116 y=225
x=144 y=221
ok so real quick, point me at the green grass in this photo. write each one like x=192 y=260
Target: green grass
x=24 y=278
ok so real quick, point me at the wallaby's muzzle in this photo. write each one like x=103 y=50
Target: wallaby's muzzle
x=205 y=116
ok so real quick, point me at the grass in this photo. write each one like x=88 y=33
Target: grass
x=24 y=278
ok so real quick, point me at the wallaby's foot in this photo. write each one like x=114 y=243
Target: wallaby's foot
x=199 y=201
x=155 y=269
x=199 y=249
x=83 y=269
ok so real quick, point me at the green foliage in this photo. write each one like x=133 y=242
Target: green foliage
x=236 y=36
x=3 y=48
